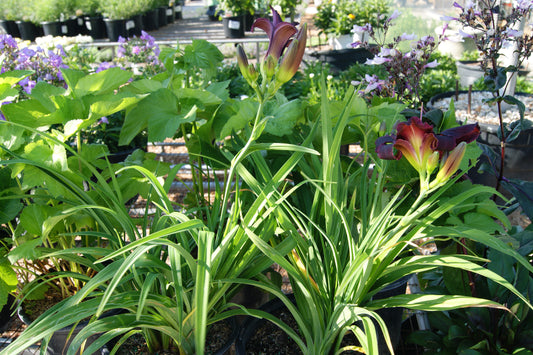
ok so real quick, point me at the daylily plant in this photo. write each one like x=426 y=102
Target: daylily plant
x=426 y=150
x=276 y=68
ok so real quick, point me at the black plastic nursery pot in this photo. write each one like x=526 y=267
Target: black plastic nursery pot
x=72 y=27
x=5 y=312
x=61 y=339
x=54 y=28
x=96 y=27
x=10 y=27
x=80 y=26
x=248 y=21
x=134 y=26
x=518 y=153
x=151 y=20
x=342 y=59
x=29 y=31
x=178 y=11
x=234 y=26
x=162 y=12
x=391 y=316
x=115 y=29
x=171 y=16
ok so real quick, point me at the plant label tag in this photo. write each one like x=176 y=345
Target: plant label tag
x=64 y=29
x=129 y=25
x=234 y=25
x=88 y=25
x=177 y=8
x=169 y=12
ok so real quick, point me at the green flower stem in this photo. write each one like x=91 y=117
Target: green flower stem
x=237 y=159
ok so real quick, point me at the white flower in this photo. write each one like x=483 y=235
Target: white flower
x=377 y=61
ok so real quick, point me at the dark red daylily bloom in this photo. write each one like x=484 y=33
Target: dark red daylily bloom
x=450 y=138
x=279 y=33
x=415 y=140
x=423 y=148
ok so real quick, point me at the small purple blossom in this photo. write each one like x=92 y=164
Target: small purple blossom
x=136 y=50
x=365 y=28
x=463 y=34
x=448 y=18
x=103 y=119
x=104 y=66
x=432 y=64
x=377 y=60
x=408 y=37
x=394 y=15
x=509 y=32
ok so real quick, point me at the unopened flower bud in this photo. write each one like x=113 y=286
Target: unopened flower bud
x=269 y=67
x=450 y=164
x=248 y=71
x=292 y=58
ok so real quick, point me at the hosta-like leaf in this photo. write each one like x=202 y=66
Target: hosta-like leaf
x=104 y=82
x=284 y=118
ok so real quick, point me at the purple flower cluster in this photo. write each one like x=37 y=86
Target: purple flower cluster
x=46 y=64
x=139 y=50
x=405 y=69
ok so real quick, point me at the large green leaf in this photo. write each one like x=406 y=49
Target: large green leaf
x=233 y=117
x=8 y=80
x=45 y=93
x=8 y=276
x=159 y=112
x=33 y=217
x=30 y=113
x=111 y=104
x=72 y=76
x=12 y=77
x=9 y=208
x=202 y=54
x=197 y=97
x=104 y=82
x=285 y=118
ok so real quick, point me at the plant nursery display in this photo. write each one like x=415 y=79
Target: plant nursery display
x=268 y=189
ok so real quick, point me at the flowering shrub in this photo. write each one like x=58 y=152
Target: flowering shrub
x=46 y=64
x=339 y=17
x=404 y=68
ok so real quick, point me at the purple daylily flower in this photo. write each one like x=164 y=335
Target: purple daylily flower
x=278 y=31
